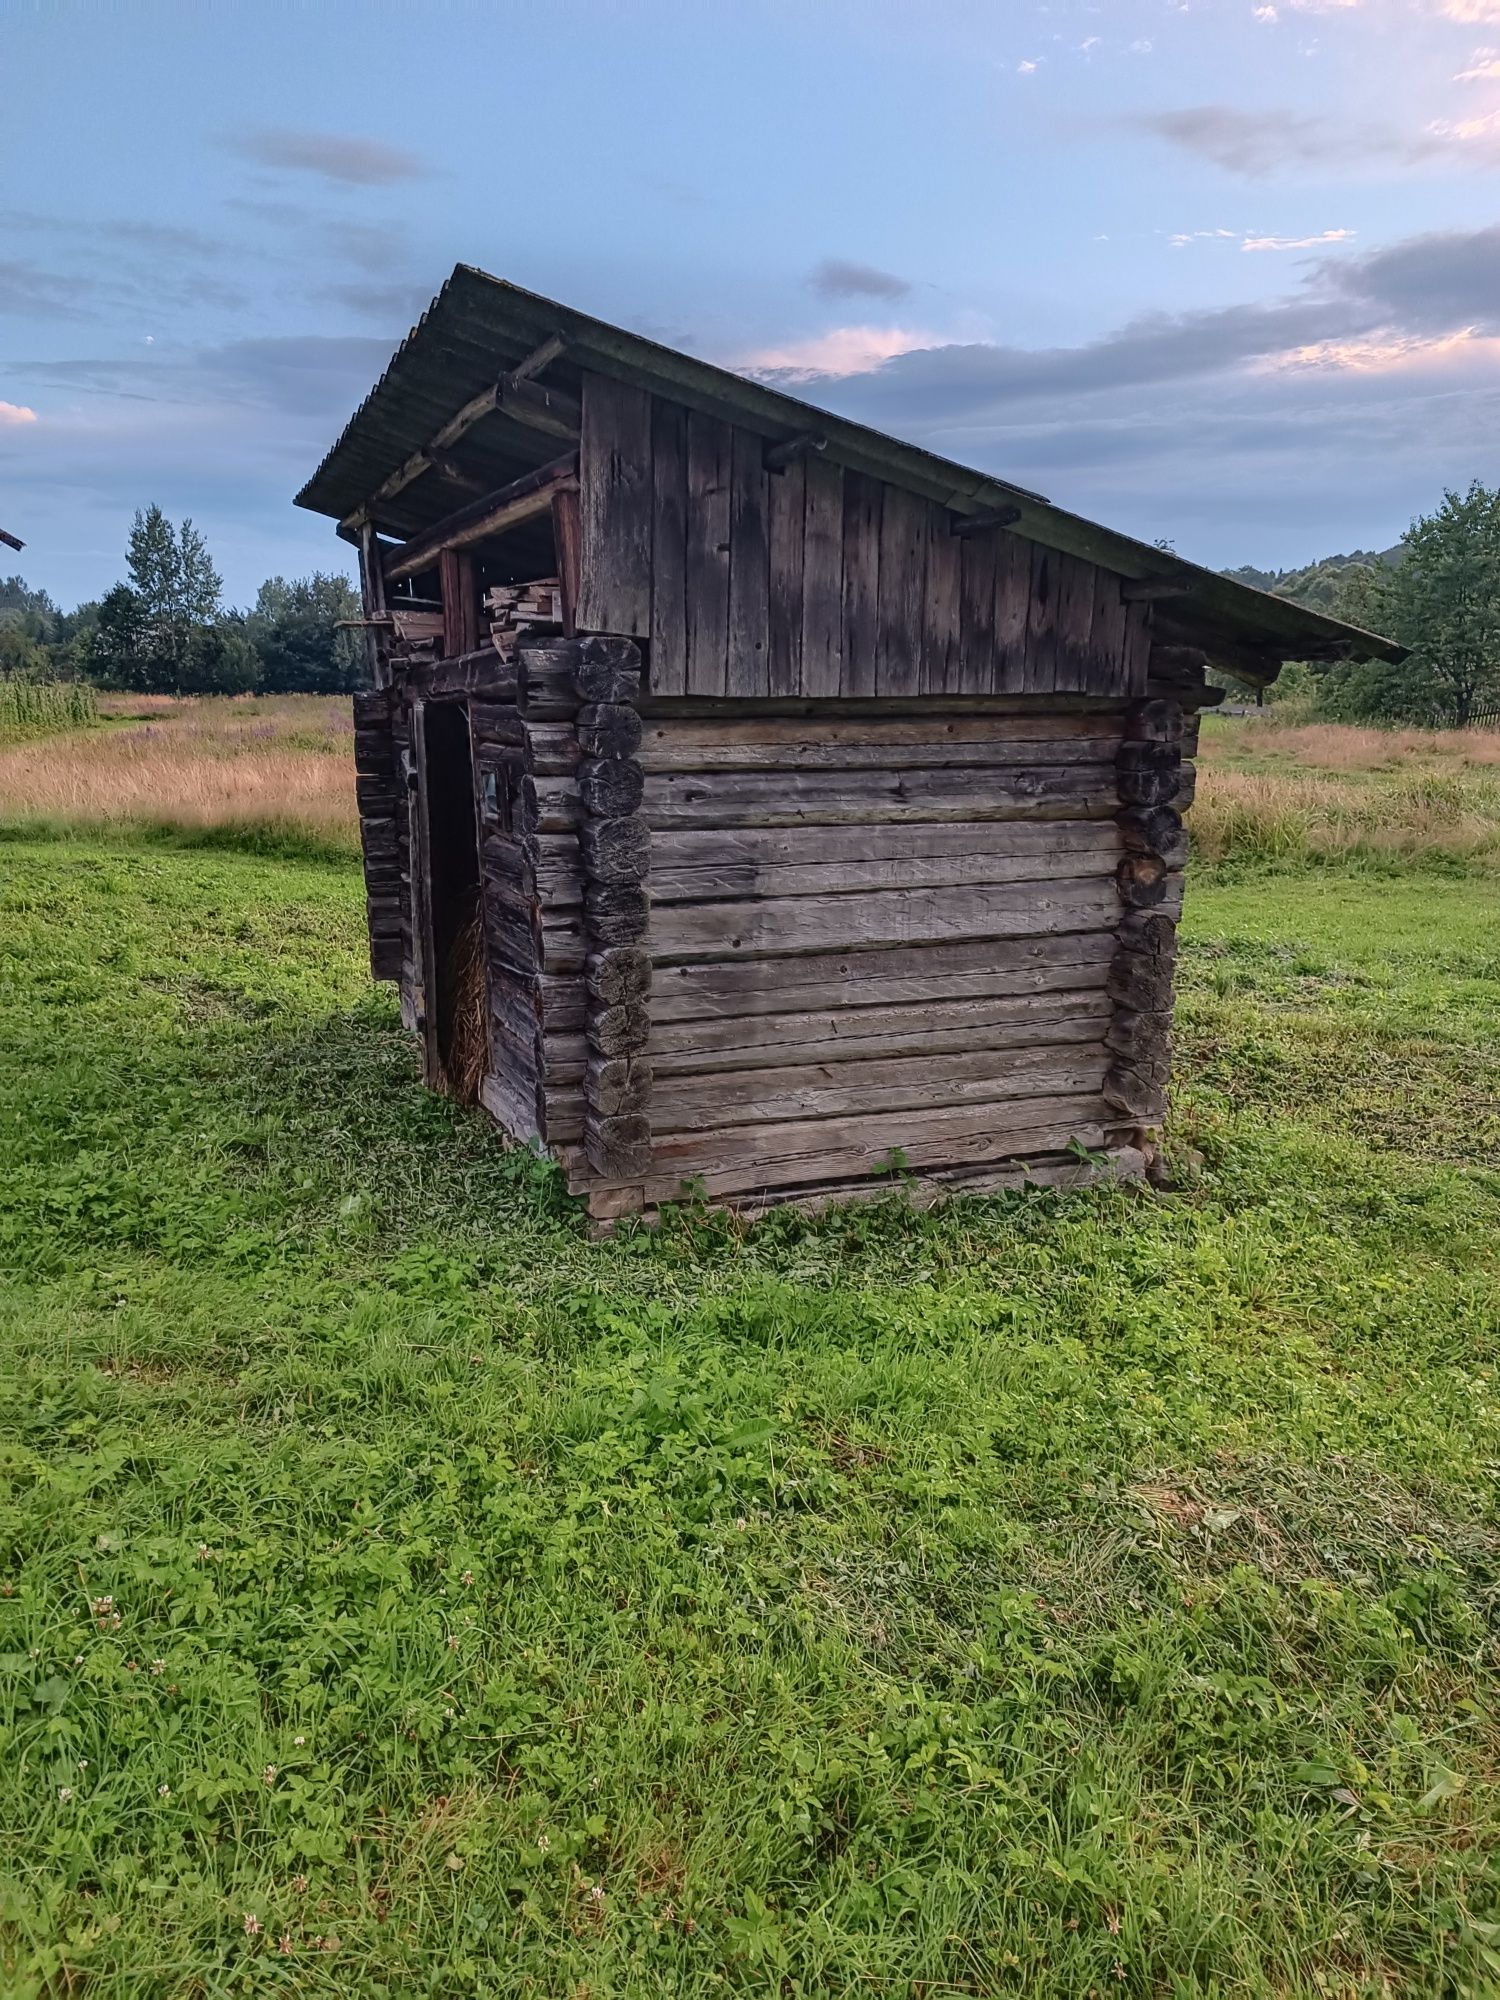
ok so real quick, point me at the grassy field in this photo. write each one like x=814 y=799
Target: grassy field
x=1051 y=1595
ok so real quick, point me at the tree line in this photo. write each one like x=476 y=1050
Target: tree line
x=165 y=629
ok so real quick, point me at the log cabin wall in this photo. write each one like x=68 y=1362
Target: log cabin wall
x=883 y=935
x=816 y=582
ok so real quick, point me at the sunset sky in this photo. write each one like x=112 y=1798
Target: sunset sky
x=1221 y=272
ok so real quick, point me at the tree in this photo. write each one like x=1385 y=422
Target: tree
x=294 y=628
x=1442 y=600
x=161 y=632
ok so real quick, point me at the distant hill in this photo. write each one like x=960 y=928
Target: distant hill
x=1317 y=584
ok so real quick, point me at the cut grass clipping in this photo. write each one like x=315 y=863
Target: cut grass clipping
x=1048 y=1595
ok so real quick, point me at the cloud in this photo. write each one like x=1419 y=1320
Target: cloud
x=1296 y=242
x=1472 y=13
x=331 y=155
x=1257 y=143
x=396 y=305
x=843 y=350
x=840 y=278
x=13 y=415
x=1484 y=65
x=29 y=289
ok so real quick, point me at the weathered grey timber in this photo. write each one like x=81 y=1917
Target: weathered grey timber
x=818 y=805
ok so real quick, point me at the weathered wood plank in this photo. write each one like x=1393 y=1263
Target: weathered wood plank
x=1078 y=670
x=908 y=977
x=790 y=798
x=1041 y=622
x=788 y=527
x=729 y=881
x=822 y=579
x=870 y=745
x=615 y=508
x=976 y=637
x=902 y=1083
x=833 y=1035
x=901 y=592
x=809 y=1149
x=862 y=510
x=748 y=671
x=1013 y=565
x=939 y=1185
x=1109 y=632
x=708 y=512
x=940 y=670
x=669 y=617
x=880 y=917
x=1137 y=656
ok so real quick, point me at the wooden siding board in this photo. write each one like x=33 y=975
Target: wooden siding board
x=976 y=671
x=708 y=513
x=669 y=619
x=1041 y=623
x=1012 y=611
x=901 y=592
x=1079 y=671
x=1137 y=649
x=748 y=669
x=862 y=510
x=1109 y=632
x=939 y=672
x=788 y=541
x=822 y=578
x=616 y=505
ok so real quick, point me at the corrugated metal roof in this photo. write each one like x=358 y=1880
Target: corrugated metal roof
x=479 y=327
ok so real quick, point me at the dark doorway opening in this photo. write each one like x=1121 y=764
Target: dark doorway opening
x=460 y=1003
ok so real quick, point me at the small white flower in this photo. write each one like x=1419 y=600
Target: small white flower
x=268 y=1775
x=252 y=1925
x=158 y=1666
x=78 y=1659
x=64 y=1793
x=164 y=1791
x=83 y=1763
x=468 y=1576
x=299 y=1741
x=542 y=1841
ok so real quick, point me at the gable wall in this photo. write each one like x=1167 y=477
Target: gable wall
x=820 y=582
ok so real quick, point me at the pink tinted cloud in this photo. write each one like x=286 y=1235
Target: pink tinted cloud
x=15 y=414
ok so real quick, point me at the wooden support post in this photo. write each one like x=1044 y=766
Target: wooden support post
x=460 y=603
x=372 y=594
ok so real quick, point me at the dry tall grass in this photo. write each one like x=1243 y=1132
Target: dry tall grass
x=282 y=766
x=1312 y=791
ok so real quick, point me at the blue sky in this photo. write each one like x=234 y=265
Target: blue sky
x=1219 y=271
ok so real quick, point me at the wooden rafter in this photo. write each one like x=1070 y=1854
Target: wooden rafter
x=11 y=541
x=523 y=499
x=521 y=398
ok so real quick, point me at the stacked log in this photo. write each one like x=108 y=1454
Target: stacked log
x=380 y=795
x=518 y=609
x=1153 y=790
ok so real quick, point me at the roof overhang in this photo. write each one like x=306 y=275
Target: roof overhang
x=478 y=329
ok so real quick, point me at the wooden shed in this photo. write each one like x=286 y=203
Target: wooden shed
x=752 y=803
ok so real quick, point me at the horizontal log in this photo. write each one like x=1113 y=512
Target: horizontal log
x=921 y=1191
x=1148 y=774
x=790 y=745
x=609 y=729
x=618 y=1084
x=898 y=978
x=1144 y=1040
x=804 y=1150
x=903 y=1083
x=497 y=722
x=682 y=931
x=1155 y=721
x=481 y=672
x=618 y=1031
x=833 y=1035
x=553 y=749
x=830 y=798
x=511 y=1105
x=610 y=787
x=617 y=1148
x=1155 y=830
x=1150 y=933
x=1142 y=985
x=616 y=850
x=1141 y=880
x=615 y=915
x=607 y=669
x=1138 y=1095
x=616 y=977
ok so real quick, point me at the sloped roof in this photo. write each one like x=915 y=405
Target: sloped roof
x=479 y=327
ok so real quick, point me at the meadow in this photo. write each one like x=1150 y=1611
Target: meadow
x=1062 y=1595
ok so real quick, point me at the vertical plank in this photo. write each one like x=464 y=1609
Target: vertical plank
x=902 y=592
x=424 y=991
x=1012 y=612
x=372 y=594
x=788 y=503
x=708 y=479
x=1137 y=652
x=566 y=533
x=668 y=661
x=939 y=670
x=862 y=506
x=976 y=633
x=822 y=578
x=1077 y=670
x=748 y=672
x=460 y=594
x=1041 y=623
x=615 y=508
x=1109 y=630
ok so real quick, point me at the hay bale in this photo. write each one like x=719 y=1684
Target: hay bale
x=465 y=1037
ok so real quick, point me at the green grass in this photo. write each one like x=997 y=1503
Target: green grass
x=1051 y=1595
